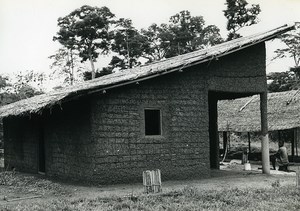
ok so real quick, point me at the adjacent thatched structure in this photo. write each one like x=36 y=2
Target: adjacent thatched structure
x=243 y=114
x=158 y=116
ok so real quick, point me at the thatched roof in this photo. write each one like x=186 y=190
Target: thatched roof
x=243 y=115
x=38 y=103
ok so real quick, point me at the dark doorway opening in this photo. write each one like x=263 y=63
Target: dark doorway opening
x=41 y=153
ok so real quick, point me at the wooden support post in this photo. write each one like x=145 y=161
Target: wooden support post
x=224 y=140
x=228 y=141
x=297 y=139
x=293 y=144
x=249 y=145
x=264 y=133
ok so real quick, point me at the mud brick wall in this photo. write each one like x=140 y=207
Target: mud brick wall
x=67 y=140
x=122 y=151
x=20 y=148
x=243 y=71
x=101 y=138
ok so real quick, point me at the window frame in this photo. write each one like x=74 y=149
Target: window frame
x=160 y=122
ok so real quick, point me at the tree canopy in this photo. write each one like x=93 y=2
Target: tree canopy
x=92 y=31
x=183 y=34
x=290 y=79
x=18 y=87
x=128 y=43
x=87 y=30
x=66 y=64
x=282 y=81
x=239 y=15
x=292 y=42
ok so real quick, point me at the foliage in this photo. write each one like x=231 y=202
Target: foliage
x=128 y=43
x=66 y=64
x=239 y=15
x=105 y=71
x=282 y=81
x=3 y=82
x=276 y=184
x=292 y=41
x=288 y=80
x=6 y=96
x=23 y=85
x=183 y=34
x=20 y=87
x=188 y=33
x=87 y=30
x=158 y=42
x=6 y=177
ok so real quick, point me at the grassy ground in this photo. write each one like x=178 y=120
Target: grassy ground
x=230 y=189
x=189 y=198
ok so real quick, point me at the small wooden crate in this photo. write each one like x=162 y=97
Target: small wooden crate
x=152 y=181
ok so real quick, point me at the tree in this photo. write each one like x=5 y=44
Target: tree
x=292 y=41
x=282 y=81
x=19 y=87
x=158 y=42
x=183 y=34
x=128 y=43
x=99 y=73
x=3 y=82
x=288 y=80
x=87 y=30
x=66 y=64
x=5 y=97
x=190 y=34
x=239 y=15
x=24 y=82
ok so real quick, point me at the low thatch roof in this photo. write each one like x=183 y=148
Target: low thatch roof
x=243 y=115
x=38 y=103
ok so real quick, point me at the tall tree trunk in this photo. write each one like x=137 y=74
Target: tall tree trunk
x=72 y=68
x=128 y=55
x=92 y=64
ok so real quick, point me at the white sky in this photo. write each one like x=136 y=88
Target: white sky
x=27 y=26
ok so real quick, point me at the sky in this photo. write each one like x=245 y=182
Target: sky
x=28 y=26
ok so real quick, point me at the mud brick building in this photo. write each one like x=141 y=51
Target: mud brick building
x=158 y=116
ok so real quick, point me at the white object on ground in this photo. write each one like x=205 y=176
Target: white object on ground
x=247 y=167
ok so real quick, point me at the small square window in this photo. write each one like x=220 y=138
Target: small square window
x=152 y=122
